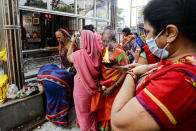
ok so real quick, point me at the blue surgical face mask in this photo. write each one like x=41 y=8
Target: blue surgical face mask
x=161 y=53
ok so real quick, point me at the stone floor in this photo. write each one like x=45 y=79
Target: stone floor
x=48 y=126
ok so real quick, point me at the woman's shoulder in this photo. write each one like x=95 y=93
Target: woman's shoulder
x=119 y=52
x=184 y=68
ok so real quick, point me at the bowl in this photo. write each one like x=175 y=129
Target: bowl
x=109 y=64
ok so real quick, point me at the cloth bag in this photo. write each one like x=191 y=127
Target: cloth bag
x=3 y=88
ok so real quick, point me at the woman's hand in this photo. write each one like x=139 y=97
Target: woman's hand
x=108 y=91
x=137 y=55
x=131 y=66
x=73 y=38
x=141 y=69
x=48 y=48
x=40 y=88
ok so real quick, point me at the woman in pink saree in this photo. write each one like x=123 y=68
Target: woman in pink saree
x=87 y=63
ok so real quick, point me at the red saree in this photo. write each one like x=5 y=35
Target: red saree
x=62 y=51
x=169 y=94
x=126 y=39
x=150 y=57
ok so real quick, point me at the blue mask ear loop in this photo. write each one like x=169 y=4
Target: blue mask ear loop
x=164 y=49
x=165 y=46
x=155 y=41
x=159 y=34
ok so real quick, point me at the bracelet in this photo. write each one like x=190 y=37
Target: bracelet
x=133 y=75
x=103 y=88
x=116 y=84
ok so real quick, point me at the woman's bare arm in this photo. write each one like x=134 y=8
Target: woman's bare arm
x=127 y=113
x=40 y=88
x=52 y=48
x=70 y=53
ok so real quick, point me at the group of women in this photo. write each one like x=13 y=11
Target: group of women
x=92 y=103
x=157 y=92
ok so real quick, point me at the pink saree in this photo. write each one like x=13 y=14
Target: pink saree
x=87 y=63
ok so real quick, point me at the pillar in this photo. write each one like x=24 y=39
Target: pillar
x=76 y=12
x=13 y=43
x=113 y=13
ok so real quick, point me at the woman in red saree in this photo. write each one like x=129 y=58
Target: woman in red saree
x=112 y=79
x=128 y=36
x=164 y=97
x=87 y=63
x=64 y=40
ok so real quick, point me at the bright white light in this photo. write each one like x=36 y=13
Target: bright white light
x=125 y=4
x=139 y=2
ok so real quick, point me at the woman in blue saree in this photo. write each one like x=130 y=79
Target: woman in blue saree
x=57 y=84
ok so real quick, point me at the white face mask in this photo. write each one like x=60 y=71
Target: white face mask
x=161 y=53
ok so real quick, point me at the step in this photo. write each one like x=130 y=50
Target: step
x=16 y=112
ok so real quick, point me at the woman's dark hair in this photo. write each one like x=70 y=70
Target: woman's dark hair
x=136 y=34
x=181 y=13
x=127 y=31
x=88 y=27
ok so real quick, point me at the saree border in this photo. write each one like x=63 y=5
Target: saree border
x=162 y=107
x=55 y=78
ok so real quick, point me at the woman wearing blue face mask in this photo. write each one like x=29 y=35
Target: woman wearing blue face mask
x=162 y=96
x=160 y=53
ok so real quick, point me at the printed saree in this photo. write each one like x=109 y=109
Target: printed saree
x=62 y=51
x=168 y=93
x=57 y=85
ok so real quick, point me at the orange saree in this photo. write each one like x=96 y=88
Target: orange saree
x=102 y=104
